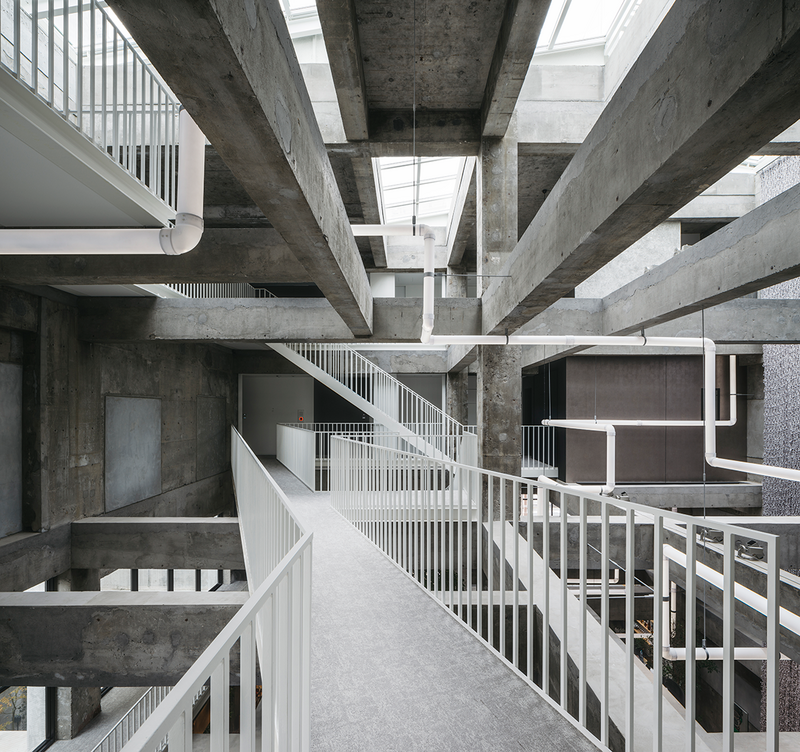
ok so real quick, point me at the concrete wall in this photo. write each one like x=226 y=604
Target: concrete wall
x=65 y=389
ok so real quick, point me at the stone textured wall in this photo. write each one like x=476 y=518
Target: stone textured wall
x=781 y=373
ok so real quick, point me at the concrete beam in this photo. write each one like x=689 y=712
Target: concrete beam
x=234 y=68
x=27 y=559
x=340 y=32
x=108 y=639
x=439 y=133
x=18 y=310
x=368 y=195
x=156 y=543
x=460 y=357
x=253 y=255
x=519 y=32
x=462 y=220
x=710 y=87
x=751 y=253
x=262 y=320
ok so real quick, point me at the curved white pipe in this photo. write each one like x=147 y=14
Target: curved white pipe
x=428 y=279
x=182 y=237
x=611 y=459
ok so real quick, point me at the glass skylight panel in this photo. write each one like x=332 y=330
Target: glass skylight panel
x=431 y=181
x=573 y=23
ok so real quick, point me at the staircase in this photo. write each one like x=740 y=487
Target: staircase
x=385 y=399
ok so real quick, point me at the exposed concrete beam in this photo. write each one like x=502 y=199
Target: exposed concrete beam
x=340 y=32
x=224 y=255
x=26 y=559
x=262 y=320
x=712 y=86
x=156 y=543
x=109 y=638
x=751 y=253
x=234 y=68
x=368 y=195
x=460 y=357
x=519 y=32
x=440 y=133
x=19 y=310
x=462 y=220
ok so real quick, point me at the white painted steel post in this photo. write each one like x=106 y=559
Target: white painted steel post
x=728 y=636
x=691 y=636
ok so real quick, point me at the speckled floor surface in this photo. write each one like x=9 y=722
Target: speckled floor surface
x=391 y=670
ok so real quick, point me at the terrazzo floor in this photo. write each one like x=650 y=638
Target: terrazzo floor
x=391 y=670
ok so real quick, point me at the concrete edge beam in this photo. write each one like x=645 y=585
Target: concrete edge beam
x=156 y=543
x=18 y=310
x=28 y=559
x=93 y=639
x=340 y=34
x=513 y=52
x=262 y=319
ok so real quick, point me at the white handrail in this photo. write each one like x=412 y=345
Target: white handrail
x=273 y=626
x=444 y=523
x=132 y=721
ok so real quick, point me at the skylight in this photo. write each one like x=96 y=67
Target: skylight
x=425 y=185
x=572 y=24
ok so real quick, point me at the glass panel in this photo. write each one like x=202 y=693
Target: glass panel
x=185 y=579
x=209 y=579
x=119 y=579
x=153 y=580
x=23 y=724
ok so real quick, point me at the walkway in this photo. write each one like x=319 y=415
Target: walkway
x=391 y=670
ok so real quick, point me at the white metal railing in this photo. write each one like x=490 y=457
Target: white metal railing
x=459 y=532
x=273 y=626
x=130 y=723
x=304 y=448
x=76 y=58
x=219 y=290
x=538 y=449
x=393 y=398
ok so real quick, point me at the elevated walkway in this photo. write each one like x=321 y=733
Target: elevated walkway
x=392 y=670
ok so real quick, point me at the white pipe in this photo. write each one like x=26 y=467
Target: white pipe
x=611 y=436
x=428 y=278
x=715 y=654
x=743 y=594
x=182 y=237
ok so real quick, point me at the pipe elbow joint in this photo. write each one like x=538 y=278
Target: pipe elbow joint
x=427 y=327
x=184 y=236
x=709 y=345
x=610 y=430
x=711 y=458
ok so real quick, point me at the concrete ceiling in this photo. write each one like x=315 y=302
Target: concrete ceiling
x=455 y=44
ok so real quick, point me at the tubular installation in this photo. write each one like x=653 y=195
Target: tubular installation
x=701 y=343
x=182 y=237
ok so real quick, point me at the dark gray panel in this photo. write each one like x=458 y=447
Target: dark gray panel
x=133 y=450
x=10 y=448
x=212 y=437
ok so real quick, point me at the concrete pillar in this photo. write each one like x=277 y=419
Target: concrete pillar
x=457 y=395
x=499 y=368
x=499 y=408
x=76 y=706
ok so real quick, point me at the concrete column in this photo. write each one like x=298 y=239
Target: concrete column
x=499 y=368
x=457 y=395
x=499 y=408
x=76 y=706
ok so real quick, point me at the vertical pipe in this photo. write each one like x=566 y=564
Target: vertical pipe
x=79 y=68
x=546 y=594
x=582 y=578
x=51 y=47
x=630 y=614
x=469 y=620
x=489 y=480
x=34 y=45
x=516 y=573
x=65 y=60
x=691 y=634
x=503 y=565
x=773 y=642
x=728 y=633
x=604 y=622
x=563 y=567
